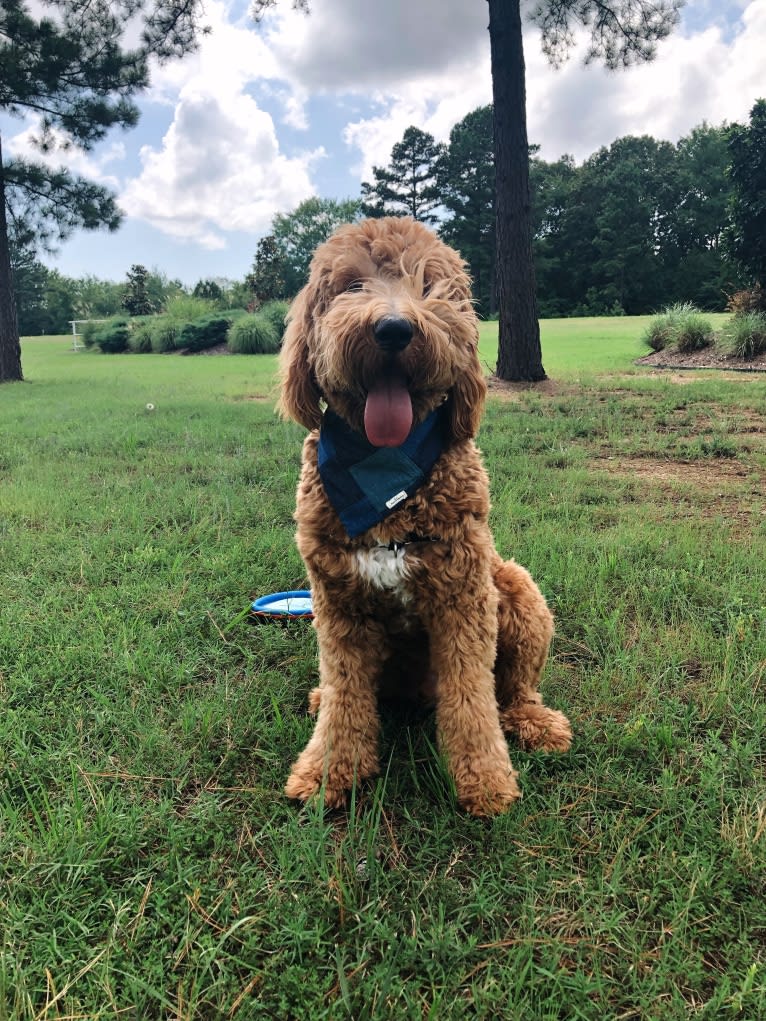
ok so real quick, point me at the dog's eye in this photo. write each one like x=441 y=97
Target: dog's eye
x=355 y=285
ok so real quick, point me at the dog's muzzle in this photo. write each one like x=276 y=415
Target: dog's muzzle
x=392 y=333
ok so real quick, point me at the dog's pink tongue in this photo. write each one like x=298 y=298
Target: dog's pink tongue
x=388 y=412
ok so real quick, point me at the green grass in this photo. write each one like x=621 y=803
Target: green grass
x=150 y=866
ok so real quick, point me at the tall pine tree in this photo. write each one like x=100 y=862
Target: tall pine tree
x=72 y=66
x=622 y=32
x=408 y=185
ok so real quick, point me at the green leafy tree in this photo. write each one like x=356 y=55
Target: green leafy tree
x=746 y=236
x=30 y=277
x=408 y=186
x=97 y=299
x=695 y=258
x=298 y=233
x=552 y=187
x=78 y=66
x=622 y=32
x=621 y=223
x=161 y=290
x=466 y=182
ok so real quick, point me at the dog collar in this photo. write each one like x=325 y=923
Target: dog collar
x=365 y=483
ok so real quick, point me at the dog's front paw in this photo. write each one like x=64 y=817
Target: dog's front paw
x=488 y=794
x=538 y=728
x=306 y=783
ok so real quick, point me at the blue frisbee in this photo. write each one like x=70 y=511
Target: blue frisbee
x=282 y=605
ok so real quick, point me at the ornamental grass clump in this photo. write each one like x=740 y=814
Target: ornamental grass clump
x=745 y=335
x=140 y=339
x=276 y=313
x=681 y=326
x=164 y=334
x=254 y=335
x=695 y=332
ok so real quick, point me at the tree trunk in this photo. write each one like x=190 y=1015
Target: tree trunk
x=519 y=353
x=10 y=349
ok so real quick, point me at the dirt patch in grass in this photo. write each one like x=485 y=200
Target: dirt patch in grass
x=504 y=388
x=707 y=358
x=719 y=486
x=704 y=474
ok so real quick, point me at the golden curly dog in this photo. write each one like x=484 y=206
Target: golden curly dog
x=380 y=361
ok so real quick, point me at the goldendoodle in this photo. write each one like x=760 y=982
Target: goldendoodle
x=380 y=362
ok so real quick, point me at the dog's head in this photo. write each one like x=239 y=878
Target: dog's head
x=383 y=333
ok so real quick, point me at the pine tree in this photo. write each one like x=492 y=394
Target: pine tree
x=73 y=68
x=408 y=185
x=622 y=32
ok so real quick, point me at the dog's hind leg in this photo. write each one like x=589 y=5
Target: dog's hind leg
x=525 y=630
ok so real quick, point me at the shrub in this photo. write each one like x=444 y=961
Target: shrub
x=745 y=335
x=753 y=300
x=254 y=335
x=140 y=339
x=275 y=312
x=88 y=332
x=164 y=335
x=203 y=333
x=681 y=326
x=112 y=336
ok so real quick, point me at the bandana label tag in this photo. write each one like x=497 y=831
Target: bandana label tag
x=396 y=499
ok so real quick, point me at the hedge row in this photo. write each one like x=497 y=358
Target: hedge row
x=244 y=333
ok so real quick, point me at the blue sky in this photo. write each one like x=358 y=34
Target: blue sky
x=265 y=116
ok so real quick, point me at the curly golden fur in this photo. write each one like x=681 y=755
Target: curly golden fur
x=447 y=616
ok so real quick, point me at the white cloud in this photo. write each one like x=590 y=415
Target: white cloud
x=219 y=169
x=369 y=45
x=714 y=74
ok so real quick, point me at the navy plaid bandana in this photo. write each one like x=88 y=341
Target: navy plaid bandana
x=365 y=483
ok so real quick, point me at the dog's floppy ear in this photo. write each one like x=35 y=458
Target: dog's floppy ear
x=300 y=395
x=466 y=400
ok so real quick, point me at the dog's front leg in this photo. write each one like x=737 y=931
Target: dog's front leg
x=344 y=745
x=463 y=633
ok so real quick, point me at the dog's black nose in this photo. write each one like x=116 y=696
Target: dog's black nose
x=393 y=333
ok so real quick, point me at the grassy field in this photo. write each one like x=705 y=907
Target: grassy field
x=150 y=866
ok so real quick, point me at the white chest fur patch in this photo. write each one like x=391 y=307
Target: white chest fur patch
x=385 y=568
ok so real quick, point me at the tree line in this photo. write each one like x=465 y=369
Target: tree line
x=640 y=224
x=73 y=64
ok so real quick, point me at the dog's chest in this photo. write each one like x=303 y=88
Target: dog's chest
x=385 y=569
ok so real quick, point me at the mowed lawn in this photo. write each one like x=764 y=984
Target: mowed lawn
x=150 y=866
